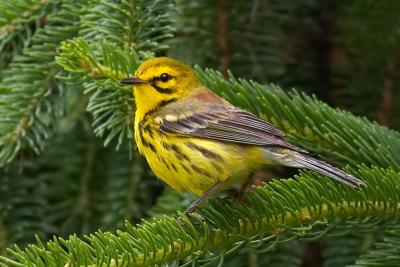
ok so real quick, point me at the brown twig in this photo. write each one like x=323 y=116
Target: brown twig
x=83 y=202
x=385 y=109
x=223 y=37
x=323 y=48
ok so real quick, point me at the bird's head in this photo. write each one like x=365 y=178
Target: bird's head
x=161 y=79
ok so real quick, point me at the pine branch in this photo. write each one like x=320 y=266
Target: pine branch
x=18 y=22
x=141 y=25
x=11 y=13
x=306 y=208
x=99 y=71
x=29 y=91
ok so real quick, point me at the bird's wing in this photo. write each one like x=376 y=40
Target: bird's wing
x=222 y=122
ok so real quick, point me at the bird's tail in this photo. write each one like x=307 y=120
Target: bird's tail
x=324 y=168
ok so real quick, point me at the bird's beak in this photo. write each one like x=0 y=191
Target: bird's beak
x=132 y=80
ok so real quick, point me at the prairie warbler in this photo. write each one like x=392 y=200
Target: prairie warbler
x=195 y=141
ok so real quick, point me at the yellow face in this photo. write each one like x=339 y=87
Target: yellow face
x=161 y=79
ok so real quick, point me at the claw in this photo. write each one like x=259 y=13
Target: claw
x=191 y=210
x=193 y=216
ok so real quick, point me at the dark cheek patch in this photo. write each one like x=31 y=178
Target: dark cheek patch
x=161 y=89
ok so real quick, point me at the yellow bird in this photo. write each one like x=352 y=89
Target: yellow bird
x=195 y=141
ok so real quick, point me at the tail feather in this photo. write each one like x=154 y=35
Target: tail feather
x=328 y=170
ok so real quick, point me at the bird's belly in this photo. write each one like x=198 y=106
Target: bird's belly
x=194 y=165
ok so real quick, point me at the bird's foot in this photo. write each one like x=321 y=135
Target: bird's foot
x=192 y=215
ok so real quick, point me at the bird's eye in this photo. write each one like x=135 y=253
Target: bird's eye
x=164 y=77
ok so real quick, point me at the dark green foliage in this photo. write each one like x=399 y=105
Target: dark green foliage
x=343 y=249
x=22 y=206
x=359 y=74
x=344 y=51
x=29 y=93
x=386 y=252
x=113 y=45
x=19 y=21
x=86 y=185
x=196 y=42
x=70 y=169
x=170 y=202
x=98 y=68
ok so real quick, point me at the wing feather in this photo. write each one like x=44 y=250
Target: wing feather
x=230 y=125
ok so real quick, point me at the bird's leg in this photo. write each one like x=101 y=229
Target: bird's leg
x=192 y=207
x=246 y=184
x=237 y=193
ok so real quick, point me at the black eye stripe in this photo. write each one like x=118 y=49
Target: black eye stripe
x=162 y=90
x=158 y=78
